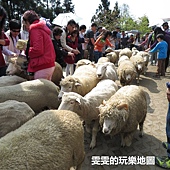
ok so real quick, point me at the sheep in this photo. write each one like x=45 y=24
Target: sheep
x=86 y=107
x=82 y=62
x=12 y=115
x=106 y=70
x=52 y=140
x=146 y=57
x=139 y=64
x=134 y=51
x=113 y=57
x=16 y=64
x=125 y=51
x=81 y=82
x=122 y=58
x=122 y=113
x=126 y=72
x=38 y=94
x=103 y=60
x=11 y=80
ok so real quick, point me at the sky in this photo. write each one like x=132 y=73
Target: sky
x=137 y=8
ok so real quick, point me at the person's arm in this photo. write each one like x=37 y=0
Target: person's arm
x=108 y=43
x=156 y=48
x=4 y=41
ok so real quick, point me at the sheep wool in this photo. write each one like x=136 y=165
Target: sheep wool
x=123 y=112
x=52 y=140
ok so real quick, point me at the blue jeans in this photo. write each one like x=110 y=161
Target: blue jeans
x=97 y=55
x=168 y=130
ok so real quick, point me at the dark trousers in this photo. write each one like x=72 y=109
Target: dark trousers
x=167 y=60
x=168 y=130
x=90 y=49
x=161 y=67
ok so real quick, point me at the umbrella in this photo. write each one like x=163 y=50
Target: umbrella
x=157 y=22
x=133 y=31
x=63 y=18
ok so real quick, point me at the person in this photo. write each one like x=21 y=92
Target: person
x=71 y=25
x=136 y=42
x=98 y=32
x=162 y=48
x=40 y=49
x=91 y=40
x=158 y=30
x=124 y=39
x=72 y=41
x=166 y=27
x=13 y=35
x=118 y=39
x=100 y=43
x=164 y=162
x=4 y=41
x=82 y=40
x=143 y=44
x=59 y=50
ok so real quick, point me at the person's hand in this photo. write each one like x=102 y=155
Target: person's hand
x=75 y=51
x=14 y=55
x=71 y=54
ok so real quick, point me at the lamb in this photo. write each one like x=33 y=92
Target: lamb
x=139 y=64
x=52 y=140
x=106 y=70
x=86 y=107
x=81 y=82
x=38 y=94
x=82 y=62
x=125 y=51
x=12 y=115
x=11 y=80
x=126 y=72
x=122 y=113
x=134 y=51
x=16 y=64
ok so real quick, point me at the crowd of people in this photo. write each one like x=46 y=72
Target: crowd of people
x=67 y=45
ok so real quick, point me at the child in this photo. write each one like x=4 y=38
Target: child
x=162 y=48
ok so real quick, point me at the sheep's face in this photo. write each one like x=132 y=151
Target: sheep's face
x=70 y=101
x=113 y=119
x=12 y=69
x=100 y=70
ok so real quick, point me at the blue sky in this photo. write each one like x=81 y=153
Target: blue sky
x=138 y=8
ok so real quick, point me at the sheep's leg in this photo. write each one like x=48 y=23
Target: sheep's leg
x=141 y=127
x=94 y=134
x=122 y=140
x=138 y=78
x=87 y=126
x=127 y=138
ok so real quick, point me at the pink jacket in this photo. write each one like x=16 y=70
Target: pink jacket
x=41 y=52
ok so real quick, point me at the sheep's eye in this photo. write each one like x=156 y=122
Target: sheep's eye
x=71 y=102
x=69 y=87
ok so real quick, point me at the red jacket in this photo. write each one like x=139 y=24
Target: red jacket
x=41 y=52
x=2 y=61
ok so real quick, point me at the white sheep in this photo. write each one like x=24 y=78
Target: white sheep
x=106 y=70
x=113 y=57
x=38 y=94
x=139 y=64
x=146 y=57
x=15 y=68
x=11 y=80
x=86 y=107
x=81 y=82
x=134 y=51
x=12 y=115
x=125 y=51
x=103 y=60
x=126 y=72
x=123 y=112
x=52 y=140
x=122 y=58
x=82 y=62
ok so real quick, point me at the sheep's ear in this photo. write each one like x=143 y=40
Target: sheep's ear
x=77 y=84
x=122 y=106
x=78 y=100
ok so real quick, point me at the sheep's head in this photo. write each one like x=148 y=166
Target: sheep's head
x=71 y=101
x=113 y=118
x=101 y=69
x=68 y=84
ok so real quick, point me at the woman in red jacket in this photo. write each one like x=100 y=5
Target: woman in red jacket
x=4 y=41
x=41 y=52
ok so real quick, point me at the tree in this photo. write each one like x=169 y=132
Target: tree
x=68 y=6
